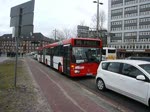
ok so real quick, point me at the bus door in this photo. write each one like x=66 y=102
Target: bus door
x=40 y=56
x=51 y=56
x=51 y=64
x=66 y=60
x=44 y=53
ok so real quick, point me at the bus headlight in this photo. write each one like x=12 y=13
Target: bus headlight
x=76 y=71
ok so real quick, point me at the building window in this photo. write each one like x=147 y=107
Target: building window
x=144 y=1
x=130 y=2
x=140 y=46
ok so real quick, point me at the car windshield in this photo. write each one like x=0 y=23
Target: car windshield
x=146 y=67
x=82 y=54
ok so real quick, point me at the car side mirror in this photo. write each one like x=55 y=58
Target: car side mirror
x=141 y=77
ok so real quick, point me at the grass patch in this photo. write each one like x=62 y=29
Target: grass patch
x=18 y=99
x=7 y=74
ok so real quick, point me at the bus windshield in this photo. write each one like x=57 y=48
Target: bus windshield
x=84 y=54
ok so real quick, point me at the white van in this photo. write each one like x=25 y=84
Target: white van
x=109 y=53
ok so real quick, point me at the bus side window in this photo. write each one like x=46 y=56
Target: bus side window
x=61 y=50
x=73 y=59
x=52 y=51
x=103 y=52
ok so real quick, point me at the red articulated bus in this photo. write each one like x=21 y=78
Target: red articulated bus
x=74 y=57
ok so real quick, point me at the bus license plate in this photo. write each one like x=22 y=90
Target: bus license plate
x=89 y=74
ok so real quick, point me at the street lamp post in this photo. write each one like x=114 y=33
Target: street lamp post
x=97 y=28
x=55 y=31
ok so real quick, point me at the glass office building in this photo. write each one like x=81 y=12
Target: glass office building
x=129 y=21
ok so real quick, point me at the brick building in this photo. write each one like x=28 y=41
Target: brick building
x=26 y=44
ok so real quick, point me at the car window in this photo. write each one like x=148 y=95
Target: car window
x=131 y=71
x=105 y=65
x=114 y=67
x=146 y=67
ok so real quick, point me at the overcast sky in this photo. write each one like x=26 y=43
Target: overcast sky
x=53 y=14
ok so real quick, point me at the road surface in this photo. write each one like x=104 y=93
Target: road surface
x=66 y=95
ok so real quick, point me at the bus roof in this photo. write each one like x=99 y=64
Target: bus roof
x=112 y=48
x=39 y=48
x=68 y=41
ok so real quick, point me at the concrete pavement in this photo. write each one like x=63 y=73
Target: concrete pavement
x=3 y=59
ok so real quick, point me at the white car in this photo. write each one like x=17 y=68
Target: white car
x=128 y=77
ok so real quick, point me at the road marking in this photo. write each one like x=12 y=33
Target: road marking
x=64 y=92
x=116 y=105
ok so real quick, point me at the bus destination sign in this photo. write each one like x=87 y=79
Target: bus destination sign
x=87 y=43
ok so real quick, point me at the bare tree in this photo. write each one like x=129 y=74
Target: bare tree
x=102 y=20
x=60 y=35
x=67 y=33
x=74 y=32
x=57 y=34
x=64 y=33
x=82 y=23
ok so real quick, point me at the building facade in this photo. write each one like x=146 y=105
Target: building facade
x=26 y=44
x=102 y=35
x=87 y=32
x=129 y=21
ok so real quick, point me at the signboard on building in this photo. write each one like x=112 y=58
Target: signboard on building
x=82 y=31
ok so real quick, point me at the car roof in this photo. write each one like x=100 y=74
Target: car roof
x=132 y=62
x=139 y=58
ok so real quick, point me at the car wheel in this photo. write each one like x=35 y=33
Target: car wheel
x=100 y=85
x=149 y=104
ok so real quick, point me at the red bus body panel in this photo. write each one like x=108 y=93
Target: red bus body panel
x=71 y=41
x=86 y=69
x=77 y=70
